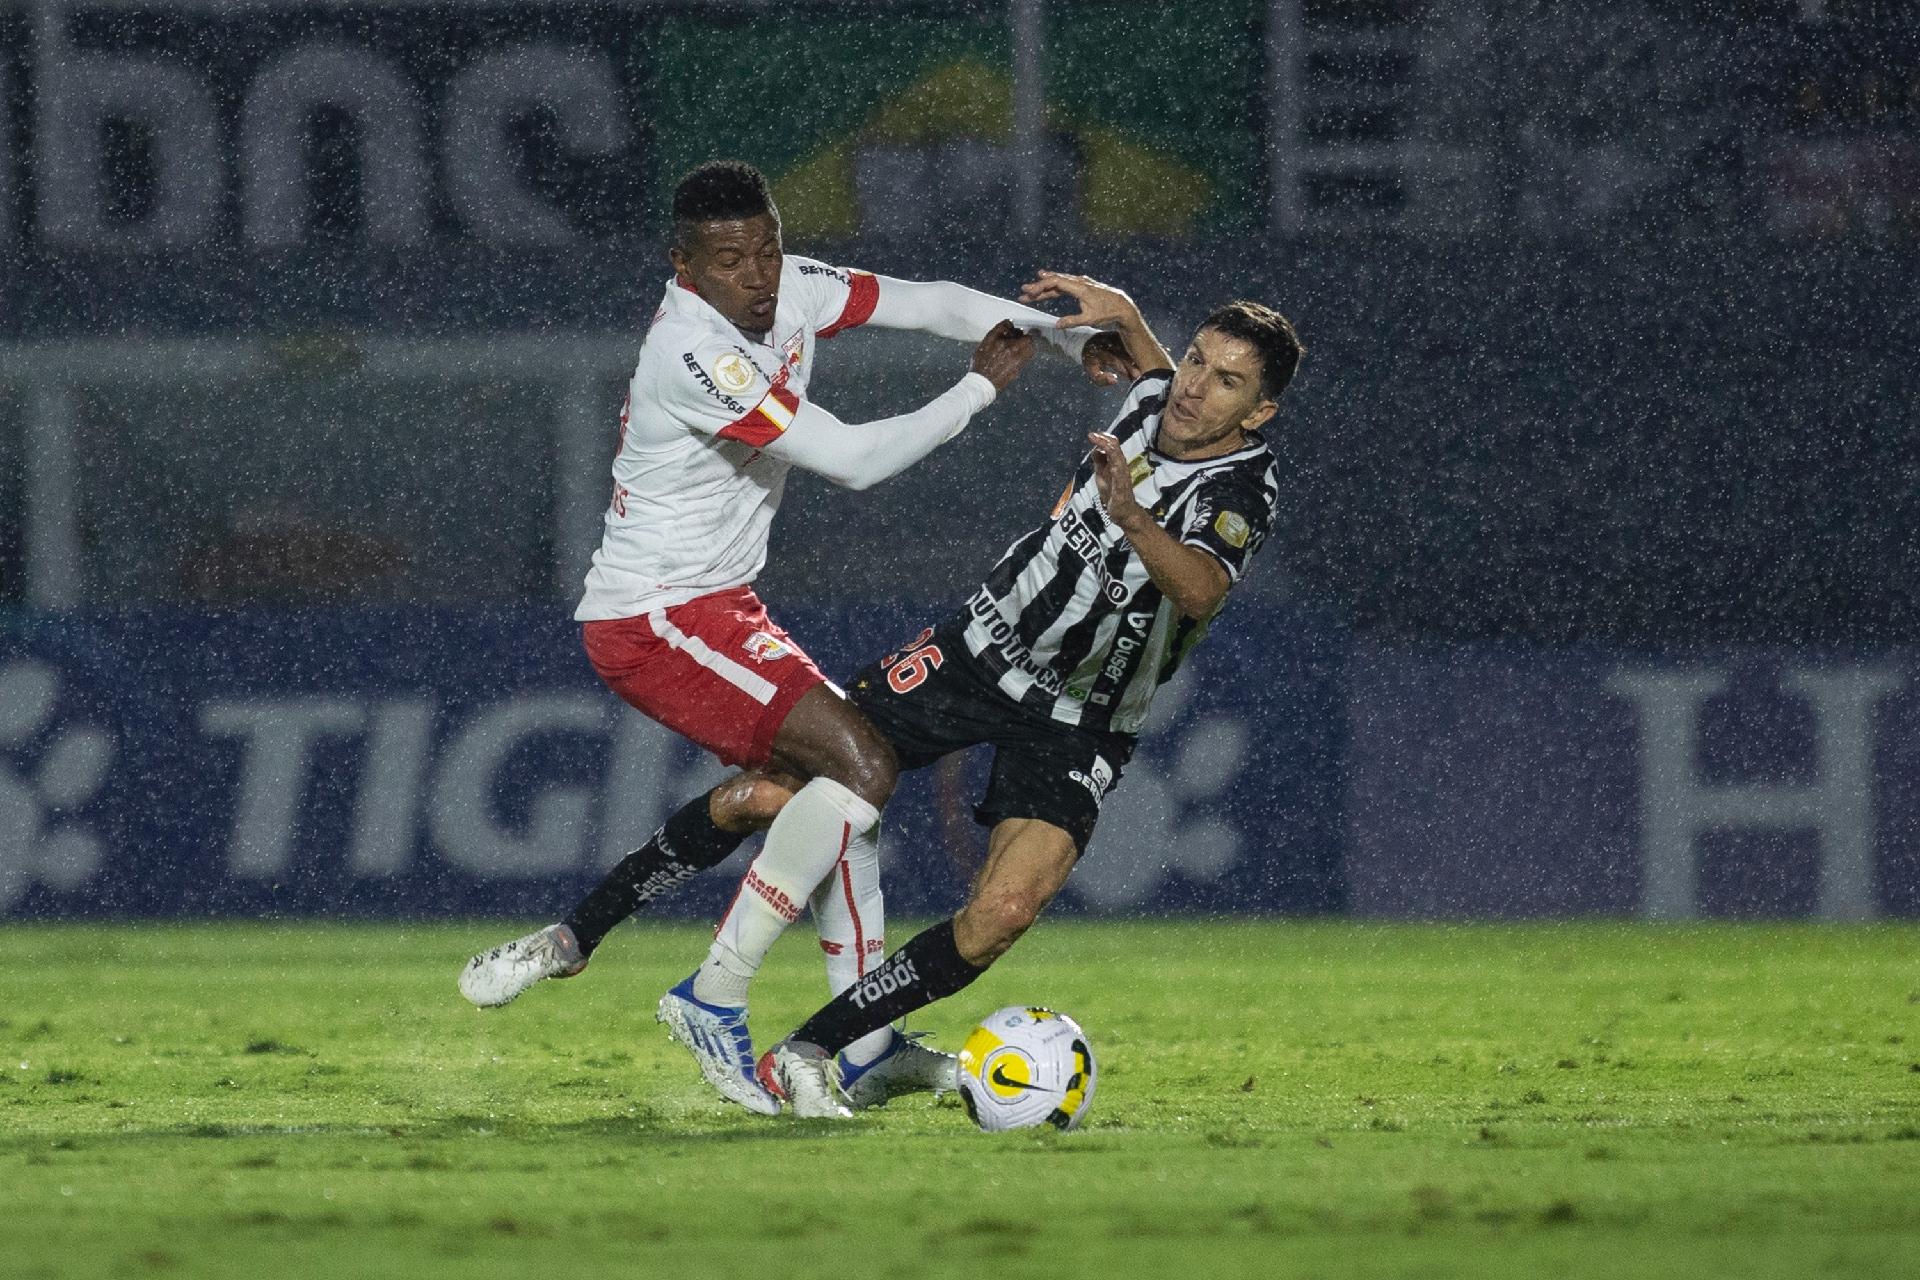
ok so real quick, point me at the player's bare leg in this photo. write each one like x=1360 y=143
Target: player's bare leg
x=1028 y=861
x=749 y=802
x=825 y=736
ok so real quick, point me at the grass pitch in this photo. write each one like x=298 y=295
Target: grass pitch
x=1275 y=1099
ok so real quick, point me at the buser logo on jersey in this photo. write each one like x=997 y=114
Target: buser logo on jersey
x=1124 y=646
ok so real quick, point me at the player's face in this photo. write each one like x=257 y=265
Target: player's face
x=1215 y=398
x=735 y=266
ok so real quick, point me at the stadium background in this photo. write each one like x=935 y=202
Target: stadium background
x=1591 y=594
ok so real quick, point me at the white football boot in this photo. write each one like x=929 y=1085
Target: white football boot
x=806 y=1078
x=907 y=1066
x=716 y=1036
x=494 y=977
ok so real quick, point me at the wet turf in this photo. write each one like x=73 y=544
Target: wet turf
x=1275 y=1099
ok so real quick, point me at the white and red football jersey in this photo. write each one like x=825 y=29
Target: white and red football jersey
x=693 y=490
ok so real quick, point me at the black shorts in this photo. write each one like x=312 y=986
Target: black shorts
x=930 y=700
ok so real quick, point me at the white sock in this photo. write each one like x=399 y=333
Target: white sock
x=812 y=833
x=851 y=917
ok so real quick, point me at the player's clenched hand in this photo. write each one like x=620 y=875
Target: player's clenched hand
x=1101 y=305
x=1002 y=354
x=1114 y=480
x=1106 y=360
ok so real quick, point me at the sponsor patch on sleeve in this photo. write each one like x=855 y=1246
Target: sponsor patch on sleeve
x=1232 y=528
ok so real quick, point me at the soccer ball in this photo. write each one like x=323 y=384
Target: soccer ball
x=1024 y=1066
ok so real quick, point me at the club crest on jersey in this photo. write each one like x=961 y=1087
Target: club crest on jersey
x=733 y=372
x=792 y=349
x=762 y=647
x=1232 y=528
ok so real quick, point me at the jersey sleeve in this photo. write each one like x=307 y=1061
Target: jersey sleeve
x=1228 y=520
x=948 y=310
x=1154 y=382
x=712 y=388
x=1129 y=421
x=857 y=455
x=835 y=298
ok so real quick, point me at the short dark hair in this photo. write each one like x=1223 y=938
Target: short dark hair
x=1267 y=332
x=719 y=191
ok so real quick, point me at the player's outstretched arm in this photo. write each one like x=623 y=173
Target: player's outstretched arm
x=949 y=310
x=857 y=455
x=1103 y=307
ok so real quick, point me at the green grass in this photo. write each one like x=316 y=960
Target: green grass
x=1275 y=1099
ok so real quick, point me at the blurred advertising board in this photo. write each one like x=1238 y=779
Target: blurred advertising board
x=407 y=763
x=1744 y=782
x=415 y=763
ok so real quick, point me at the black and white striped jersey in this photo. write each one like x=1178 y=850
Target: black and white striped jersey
x=1069 y=623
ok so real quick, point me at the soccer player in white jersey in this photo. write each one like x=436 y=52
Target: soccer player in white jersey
x=716 y=415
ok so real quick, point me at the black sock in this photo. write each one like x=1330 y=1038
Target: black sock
x=927 y=969
x=685 y=845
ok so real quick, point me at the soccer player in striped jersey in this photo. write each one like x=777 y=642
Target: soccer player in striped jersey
x=1055 y=659
x=717 y=414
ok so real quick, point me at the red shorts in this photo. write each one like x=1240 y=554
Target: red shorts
x=715 y=670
